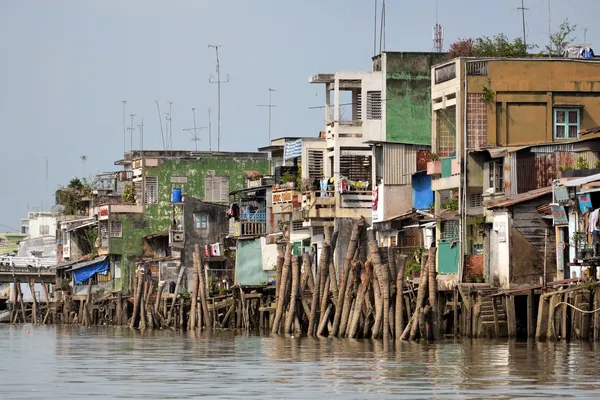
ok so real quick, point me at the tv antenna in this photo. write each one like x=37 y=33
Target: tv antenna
x=218 y=81
x=162 y=133
x=131 y=129
x=209 y=131
x=194 y=131
x=523 y=9
x=270 y=105
x=438 y=33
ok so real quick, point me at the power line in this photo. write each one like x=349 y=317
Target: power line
x=218 y=82
x=270 y=105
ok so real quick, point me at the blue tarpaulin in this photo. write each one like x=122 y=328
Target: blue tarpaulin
x=84 y=273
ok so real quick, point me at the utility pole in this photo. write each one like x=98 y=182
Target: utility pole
x=162 y=133
x=141 y=128
x=131 y=129
x=218 y=82
x=195 y=130
x=549 y=31
x=170 y=119
x=124 y=129
x=270 y=105
x=209 y=131
x=523 y=9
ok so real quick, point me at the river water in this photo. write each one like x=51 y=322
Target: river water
x=78 y=363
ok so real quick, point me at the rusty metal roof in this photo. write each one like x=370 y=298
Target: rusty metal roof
x=590 y=131
x=516 y=199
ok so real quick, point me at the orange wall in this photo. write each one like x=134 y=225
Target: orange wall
x=526 y=91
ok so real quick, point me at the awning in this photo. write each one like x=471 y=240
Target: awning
x=497 y=152
x=91 y=222
x=85 y=270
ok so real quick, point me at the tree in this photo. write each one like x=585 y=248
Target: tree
x=561 y=39
x=485 y=46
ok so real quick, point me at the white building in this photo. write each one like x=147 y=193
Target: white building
x=39 y=223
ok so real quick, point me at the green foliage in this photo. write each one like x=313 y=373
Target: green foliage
x=128 y=193
x=566 y=167
x=413 y=264
x=91 y=237
x=450 y=204
x=597 y=164
x=287 y=177
x=71 y=197
x=561 y=39
x=435 y=157
x=582 y=163
x=485 y=46
x=64 y=285
x=185 y=295
x=489 y=96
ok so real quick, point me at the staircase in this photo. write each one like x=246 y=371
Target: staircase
x=486 y=316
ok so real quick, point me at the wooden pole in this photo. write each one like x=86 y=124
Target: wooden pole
x=15 y=301
x=365 y=280
x=352 y=246
x=137 y=299
x=279 y=267
x=47 y=299
x=324 y=320
x=315 y=304
x=530 y=315
x=289 y=321
x=383 y=279
x=433 y=293
x=177 y=287
x=204 y=291
x=378 y=299
x=195 y=286
x=34 y=303
x=400 y=266
x=285 y=276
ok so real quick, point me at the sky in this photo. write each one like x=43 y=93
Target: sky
x=67 y=65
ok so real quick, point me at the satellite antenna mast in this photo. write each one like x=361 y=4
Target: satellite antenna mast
x=170 y=125
x=209 y=131
x=382 y=32
x=270 y=105
x=438 y=33
x=195 y=130
x=218 y=82
x=124 y=128
x=162 y=133
x=523 y=9
x=375 y=31
x=131 y=129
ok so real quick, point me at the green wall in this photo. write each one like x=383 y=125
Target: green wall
x=248 y=263
x=408 y=99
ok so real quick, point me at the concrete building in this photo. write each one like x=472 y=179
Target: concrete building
x=39 y=223
x=502 y=127
x=389 y=103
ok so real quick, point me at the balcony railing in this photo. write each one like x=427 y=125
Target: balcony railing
x=250 y=228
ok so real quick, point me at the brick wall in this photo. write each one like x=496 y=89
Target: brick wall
x=474 y=265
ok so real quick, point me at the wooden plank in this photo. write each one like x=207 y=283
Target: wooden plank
x=511 y=317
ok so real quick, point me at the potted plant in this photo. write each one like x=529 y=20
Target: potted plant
x=579 y=241
x=434 y=167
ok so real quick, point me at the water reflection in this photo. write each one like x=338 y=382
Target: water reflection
x=73 y=362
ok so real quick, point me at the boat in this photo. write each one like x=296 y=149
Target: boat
x=5 y=315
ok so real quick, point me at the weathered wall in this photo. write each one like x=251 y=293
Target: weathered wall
x=217 y=226
x=408 y=97
x=527 y=244
x=526 y=91
x=397 y=200
x=196 y=171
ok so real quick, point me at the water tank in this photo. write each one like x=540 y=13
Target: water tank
x=176 y=196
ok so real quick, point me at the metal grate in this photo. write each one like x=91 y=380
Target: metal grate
x=151 y=190
x=374 y=105
x=116 y=229
x=477 y=121
x=477 y=68
x=445 y=73
x=446 y=131
x=356 y=168
x=315 y=164
x=298 y=226
x=449 y=229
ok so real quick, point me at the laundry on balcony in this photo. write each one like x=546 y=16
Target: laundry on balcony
x=345 y=185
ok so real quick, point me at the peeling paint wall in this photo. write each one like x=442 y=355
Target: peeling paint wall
x=408 y=96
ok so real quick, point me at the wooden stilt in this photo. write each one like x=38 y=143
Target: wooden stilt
x=530 y=315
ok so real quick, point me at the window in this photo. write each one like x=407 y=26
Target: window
x=446 y=131
x=496 y=176
x=201 y=221
x=374 y=105
x=449 y=230
x=356 y=167
x=566 y=123
x=116 y=229
x=216 y=189
x=475 y=200
x=151 y=190
x=44 y=229
x=298 y=226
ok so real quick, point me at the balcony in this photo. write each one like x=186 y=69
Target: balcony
x=250 y=228
x=356 y=199
x=285 y=201
x=318 y=205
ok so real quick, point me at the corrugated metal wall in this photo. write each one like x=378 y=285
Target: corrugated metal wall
x=400 y=162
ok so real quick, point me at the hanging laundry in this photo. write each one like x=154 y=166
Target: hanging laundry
x=593 y=220
x=323 y=184
x=207 y=251
x=587 y=52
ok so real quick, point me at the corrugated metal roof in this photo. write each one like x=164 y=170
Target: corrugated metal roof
x=582 y=181
x=519 y=198
x=399 y=217
x=590 y=131
x=87 y=263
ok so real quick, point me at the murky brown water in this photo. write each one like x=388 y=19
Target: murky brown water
x=78 y=363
